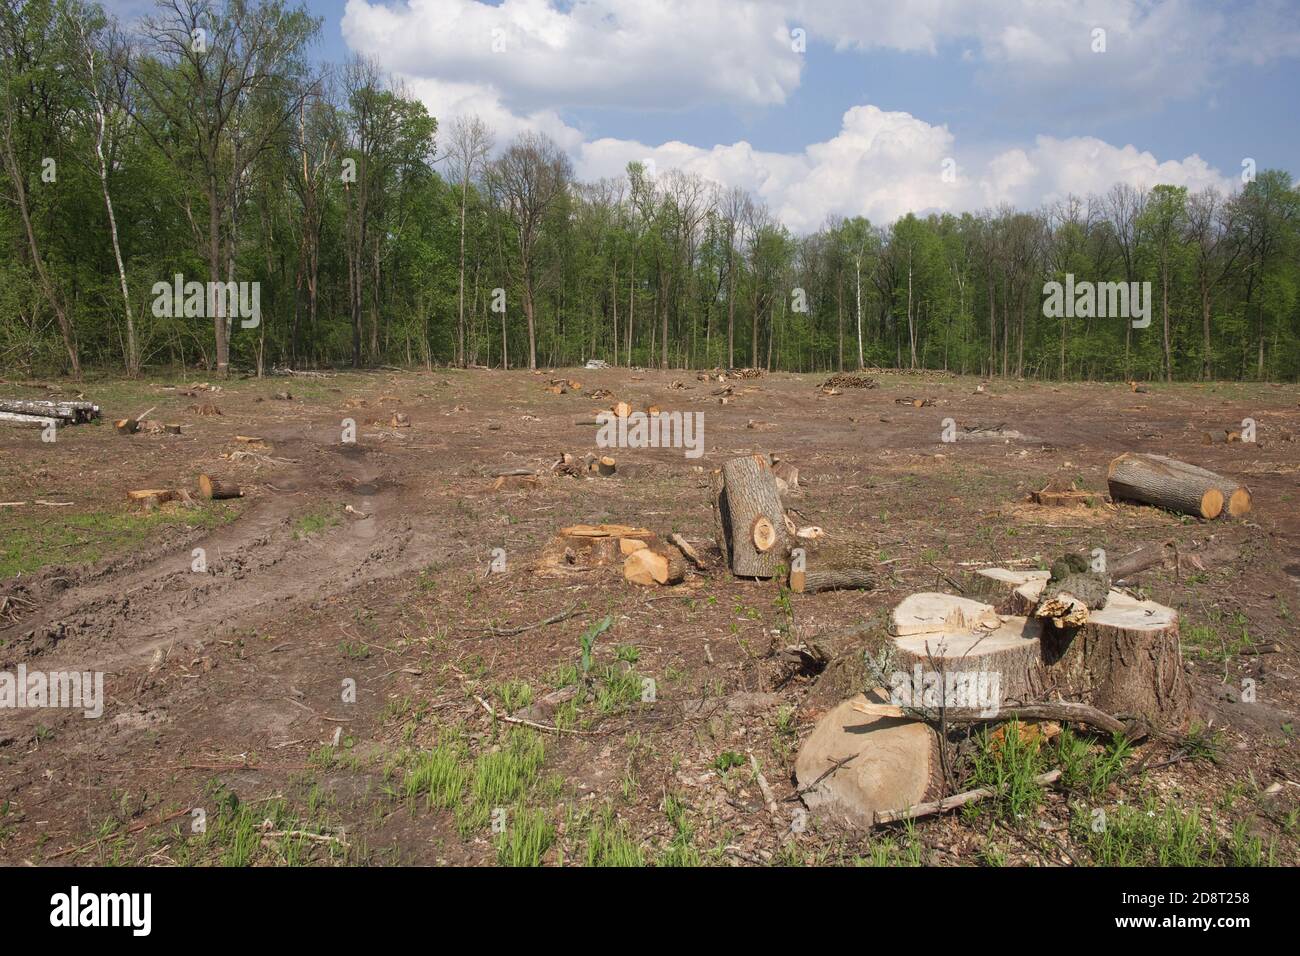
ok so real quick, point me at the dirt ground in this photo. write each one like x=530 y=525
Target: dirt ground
x=226 y=737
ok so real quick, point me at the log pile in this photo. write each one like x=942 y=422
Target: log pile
x=1176 y=486
x=33 y=413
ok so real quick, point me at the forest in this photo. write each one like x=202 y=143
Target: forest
x=205 y=142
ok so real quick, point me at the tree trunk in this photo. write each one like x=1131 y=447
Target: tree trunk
x=753 y=518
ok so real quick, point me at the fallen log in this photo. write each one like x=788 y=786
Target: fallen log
x=830 y=579
x=27 y=421
x=214 y=489
x=74 y=412
x=1156 y=480
x=755 y=520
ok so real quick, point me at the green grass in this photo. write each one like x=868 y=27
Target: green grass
x=1007 y=767
x=526 y=839
x=681 y=849
x=501 y=777
x=1158 y=833
x=1219 y=639
x=28 y=544
x=316 y=521
x=1084 y=767
x=609 y=842
x=439 y=775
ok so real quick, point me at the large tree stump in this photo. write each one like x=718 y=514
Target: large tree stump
x=1126 y=660
x=1176 y=486
x=959 y=645
x=754 y=524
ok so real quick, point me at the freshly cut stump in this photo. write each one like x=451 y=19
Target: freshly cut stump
x=1176 y=486
x=894 y=763
x=1126 y=660
x=968 y=642
x=590 y=546
x=930 y=612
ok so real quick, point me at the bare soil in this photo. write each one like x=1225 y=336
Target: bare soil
x=231 y=681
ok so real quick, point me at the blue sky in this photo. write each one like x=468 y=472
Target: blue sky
x=1016 y=93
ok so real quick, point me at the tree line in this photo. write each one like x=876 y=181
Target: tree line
x=204 y=143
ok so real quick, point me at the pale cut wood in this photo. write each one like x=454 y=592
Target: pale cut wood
x=1236 y=496
x=17 y=420
x=684 y=546
x=606 y=466
x=628 y=545
x=649 y=566
x=159 y=494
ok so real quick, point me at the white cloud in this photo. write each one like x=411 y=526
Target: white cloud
x=884 y=164
x=679 y=53
x=669 y=54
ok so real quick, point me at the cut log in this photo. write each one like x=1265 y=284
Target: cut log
x=755 y=529
x=844 y=564
x=621 y=409
x=126 y=426
x=215 y=489
x=1173 y=484
x=606 y=466
x=814 y=580
x=854 y=765
x=654 y=565
x=74 y=412
x=628 y=545
x=17 y=420
x=1153 y=480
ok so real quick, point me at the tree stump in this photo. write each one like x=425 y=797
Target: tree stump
x=757 y=539
x=961 y=644
x=1126 y=659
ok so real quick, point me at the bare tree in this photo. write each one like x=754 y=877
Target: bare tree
x=530 y=176
x=102 y=54
x=469 y=146
x=1214 y=237
x=206 y=62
